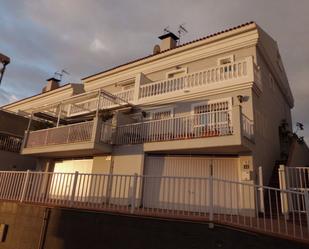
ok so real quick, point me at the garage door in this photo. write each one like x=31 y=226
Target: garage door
x=71 y=166
x=190 y=189
x=62 y=184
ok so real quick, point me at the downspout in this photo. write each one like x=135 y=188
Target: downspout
x=44 y=226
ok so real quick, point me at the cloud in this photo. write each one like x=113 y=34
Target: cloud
x=97 y=45
x=6 y=97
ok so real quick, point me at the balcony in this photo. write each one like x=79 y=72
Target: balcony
x=220 y=128
x=9 y=142
x=210 y=79
x=83 y=138
x=243 y=71
x=92 y=104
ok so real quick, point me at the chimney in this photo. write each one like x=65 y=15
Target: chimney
x=168 y=41
x=52 y=84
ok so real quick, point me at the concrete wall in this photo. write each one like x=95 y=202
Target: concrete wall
x=73 y=229
x=15 y=161
x=299 y=155
x=270 y=108
x=101 y=164
x=128 y=159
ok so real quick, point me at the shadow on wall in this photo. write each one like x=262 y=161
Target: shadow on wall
x=16 y=162
x=298 y=154
x=72 y=229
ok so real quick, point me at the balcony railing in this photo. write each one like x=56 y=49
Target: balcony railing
x=9 y=142
x=186 y=127
x=247 y=127
x=192 y=198
x=92 y=104
x=81 y=132
x=239 y=71
x=235 y=70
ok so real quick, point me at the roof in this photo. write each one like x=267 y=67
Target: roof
x=39 y=94
x=165 y=51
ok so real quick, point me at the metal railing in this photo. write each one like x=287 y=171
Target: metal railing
x=193 y=198
x=9 y=142
x=211 y=75
x=297 y=178
x=92 y=104
x=106 y=133
x=247 y=127
x=211 y=124
x=74 y=133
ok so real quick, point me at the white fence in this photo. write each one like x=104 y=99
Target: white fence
x=294 y=179
x=192 y=198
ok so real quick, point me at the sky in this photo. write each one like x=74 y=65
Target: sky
x=87 y=36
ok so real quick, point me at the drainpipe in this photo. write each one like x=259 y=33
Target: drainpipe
x=44 y=228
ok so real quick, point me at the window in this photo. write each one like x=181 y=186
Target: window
x=225 y=60
x=212 y=113
x=128 y=87
x=161 y=113
x=177 y=73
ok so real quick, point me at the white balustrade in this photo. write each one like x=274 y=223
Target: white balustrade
x=233 y=71
x=212 y=75
x=211 y=124
x=66 y=134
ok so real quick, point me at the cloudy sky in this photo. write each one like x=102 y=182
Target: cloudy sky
x=87 y=36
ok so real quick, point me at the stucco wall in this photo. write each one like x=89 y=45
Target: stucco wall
x=270 y=108
x=15 y=161
x=299 y=155
x=128 y=159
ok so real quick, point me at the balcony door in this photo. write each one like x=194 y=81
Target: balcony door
x=211 y=117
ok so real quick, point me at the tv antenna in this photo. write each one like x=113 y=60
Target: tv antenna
x=181 y=31
x=166 y=30
x=60 y=74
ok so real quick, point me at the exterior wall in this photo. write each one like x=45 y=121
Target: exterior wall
x=101 y=165
x=15 y=161
x=13 y=124
x=299 y=155
x=185 y=107
x=128 y=160
x=270 y=108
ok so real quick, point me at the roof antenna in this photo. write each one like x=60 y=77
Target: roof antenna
x=166 y=30
x=181 y=31
x=60 y=74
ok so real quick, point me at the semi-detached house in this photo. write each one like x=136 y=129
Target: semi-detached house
x=210 y=107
